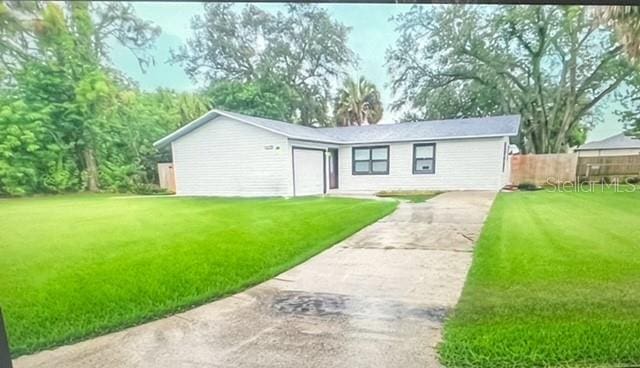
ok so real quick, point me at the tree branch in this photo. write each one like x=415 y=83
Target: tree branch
x=607 y=57
x=603 y=94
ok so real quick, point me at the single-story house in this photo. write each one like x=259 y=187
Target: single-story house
x=617 y=145
x=229 y=154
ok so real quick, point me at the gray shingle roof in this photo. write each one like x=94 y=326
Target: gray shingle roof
x=496 y=126
x=287 y=129
x=618 y=141
x=428 y=130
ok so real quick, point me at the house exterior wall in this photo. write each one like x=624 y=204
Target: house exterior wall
x=609 y=152
x=230 y=158
x=464 y=164
x=506 y=173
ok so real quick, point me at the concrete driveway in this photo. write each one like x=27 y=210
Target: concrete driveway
x=377 y=299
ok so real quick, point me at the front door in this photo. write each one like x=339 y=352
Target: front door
x=333 y=168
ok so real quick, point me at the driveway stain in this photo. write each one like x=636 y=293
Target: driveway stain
x=301 y=303
x=316 y=304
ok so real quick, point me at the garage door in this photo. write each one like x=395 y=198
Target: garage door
x=308 y=171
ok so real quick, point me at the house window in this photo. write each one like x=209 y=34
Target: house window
x=370 y=160
x=424 y=158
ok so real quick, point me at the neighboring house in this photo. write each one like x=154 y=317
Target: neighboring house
x=617 y=145
x=229 y=154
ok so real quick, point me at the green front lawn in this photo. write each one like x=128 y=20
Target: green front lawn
x=555 y=282
x=78 y=266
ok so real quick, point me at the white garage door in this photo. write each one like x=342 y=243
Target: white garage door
x=308 y=171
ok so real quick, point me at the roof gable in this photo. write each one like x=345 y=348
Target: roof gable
x=424 y=130
x=618 y=141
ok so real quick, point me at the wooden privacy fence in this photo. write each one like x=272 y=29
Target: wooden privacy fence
x=543 y=169
x=608 y=167
x=166 y=176
x=568 y=167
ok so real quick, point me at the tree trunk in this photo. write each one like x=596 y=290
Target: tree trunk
x=91 y=167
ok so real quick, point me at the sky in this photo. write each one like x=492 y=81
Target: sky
x=372 y=33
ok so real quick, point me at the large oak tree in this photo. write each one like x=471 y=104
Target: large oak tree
x=302 y=49
x=551 y=64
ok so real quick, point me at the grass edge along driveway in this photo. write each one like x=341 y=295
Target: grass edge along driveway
x=555 y=281
x=74 y=267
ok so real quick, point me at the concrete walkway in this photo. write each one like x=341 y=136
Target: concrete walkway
x=378 y=299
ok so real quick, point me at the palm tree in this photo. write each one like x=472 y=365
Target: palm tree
x=358 y=102
x=626 y=22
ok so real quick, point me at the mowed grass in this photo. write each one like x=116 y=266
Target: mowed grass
x=78 y=266
x=555 y=281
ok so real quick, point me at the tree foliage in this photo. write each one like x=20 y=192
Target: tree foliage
x=625 y=20
x=68 y=121
x=551 y=64
x=263 y=98
x=630 y=114
x=24 y=25
x=302 y=50
x=357 y=103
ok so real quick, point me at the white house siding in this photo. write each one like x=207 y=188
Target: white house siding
x=465 y=164
x=229 y=158
x=609 y=152
x=506 y=173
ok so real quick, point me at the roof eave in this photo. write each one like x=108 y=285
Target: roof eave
x=404 y=140
x=210 y=115
x=605 y=148
x=417 y=139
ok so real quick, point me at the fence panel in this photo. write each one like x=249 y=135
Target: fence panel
x=166 y=176
x=543 y=169
x=596 y=168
